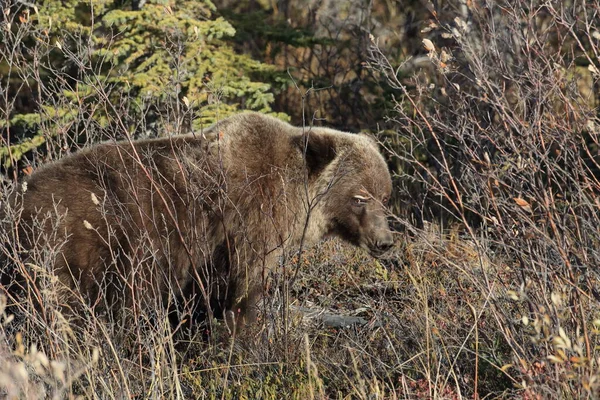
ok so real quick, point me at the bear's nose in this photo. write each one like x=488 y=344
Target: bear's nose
x=385 y=243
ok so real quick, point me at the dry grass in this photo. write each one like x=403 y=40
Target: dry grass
x=441 y=319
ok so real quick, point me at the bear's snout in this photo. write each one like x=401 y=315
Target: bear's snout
x=382 y=243
x=385 y=242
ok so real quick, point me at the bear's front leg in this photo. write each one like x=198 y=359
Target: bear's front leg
x=249 y=267
x=242 y=309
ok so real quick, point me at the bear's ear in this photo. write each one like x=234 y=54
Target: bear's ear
x=318 y=150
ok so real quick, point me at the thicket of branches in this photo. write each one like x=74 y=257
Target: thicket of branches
x=488 y=115
x=499 y=133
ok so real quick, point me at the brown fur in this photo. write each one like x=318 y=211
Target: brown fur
x=143 y=220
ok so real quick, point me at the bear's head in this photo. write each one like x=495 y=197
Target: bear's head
x=354 y=186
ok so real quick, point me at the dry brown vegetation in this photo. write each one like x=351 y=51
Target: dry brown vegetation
x=493 y=288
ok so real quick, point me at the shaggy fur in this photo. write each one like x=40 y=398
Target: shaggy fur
x=211 y=213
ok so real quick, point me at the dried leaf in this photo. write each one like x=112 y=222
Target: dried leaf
x=505 y=367
x=487 y=159
x=445 y=57
x=95 y=199
x=428 y=44
x=556 y=298
x=460 y=23
x=522 y=202
x=28 y=170
x=576 y=360
x=555 y=359
x=512 y=295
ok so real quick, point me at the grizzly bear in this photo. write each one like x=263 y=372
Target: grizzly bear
x=135 y=221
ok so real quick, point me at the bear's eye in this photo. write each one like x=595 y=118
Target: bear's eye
x=359 y=200
x=385 y=200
